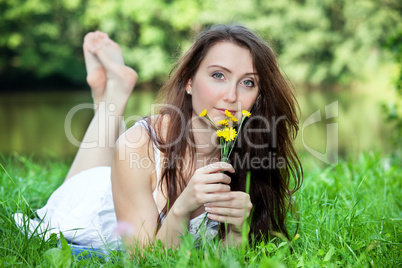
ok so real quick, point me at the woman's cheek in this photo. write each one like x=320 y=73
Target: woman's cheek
x=246 y=103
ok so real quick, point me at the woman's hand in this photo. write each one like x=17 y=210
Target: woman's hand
x=234 y=212
x=207 y=185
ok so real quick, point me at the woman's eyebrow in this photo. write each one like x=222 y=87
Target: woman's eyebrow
x=255 y=74
x=219 y=66
x=229 y=71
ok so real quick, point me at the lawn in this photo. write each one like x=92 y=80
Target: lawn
x=347 y=216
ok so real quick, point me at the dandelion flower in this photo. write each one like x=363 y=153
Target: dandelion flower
x=203 y=113
x=246 y=113
x=222 y=133
x=228 y=114
x=224 y=122
x=229 y=134
x=233 y=119
x=232 y=134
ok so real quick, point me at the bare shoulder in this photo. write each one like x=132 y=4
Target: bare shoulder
x=132 y=147
x=135 y=145
x=134 y=137
x=158 y=123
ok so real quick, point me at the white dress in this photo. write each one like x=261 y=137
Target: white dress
x=82 y=209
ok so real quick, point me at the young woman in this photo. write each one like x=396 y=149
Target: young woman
x=164 y=174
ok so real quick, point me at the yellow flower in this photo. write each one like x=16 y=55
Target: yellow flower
x=224 y=122
x=232 y=134
x=222 y=133
x=203 y=113
x=233 y=119
x=246 y=113
x=229 y=134
x=228 y=114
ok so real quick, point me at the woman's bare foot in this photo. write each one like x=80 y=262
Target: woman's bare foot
x=96 y=74
x=120 y=78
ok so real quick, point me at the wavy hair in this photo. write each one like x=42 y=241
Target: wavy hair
x=275 y=112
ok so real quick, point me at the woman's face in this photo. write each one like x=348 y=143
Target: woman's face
x=225 y=80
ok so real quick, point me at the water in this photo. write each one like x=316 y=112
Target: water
x=33 y=123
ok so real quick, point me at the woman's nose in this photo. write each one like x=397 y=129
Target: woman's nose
x=231 y=93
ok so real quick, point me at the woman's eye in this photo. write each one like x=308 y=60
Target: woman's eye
x=249 y=83
x=218 y=76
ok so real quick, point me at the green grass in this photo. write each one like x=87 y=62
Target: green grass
x=348 y=216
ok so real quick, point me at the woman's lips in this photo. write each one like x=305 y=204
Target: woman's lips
x=222 y=111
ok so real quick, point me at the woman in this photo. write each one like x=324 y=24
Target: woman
x=164 y=174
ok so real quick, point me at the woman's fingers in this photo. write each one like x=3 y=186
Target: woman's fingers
x=225 y=211
x=240 y=200
x=216 y=178
x=213 y=173
x=208 y=184
x=234 y=211
x=232 y=216
x=217 y=167
x=241 y=209
x=217 y=187
x=236 y=221
x=212 y=197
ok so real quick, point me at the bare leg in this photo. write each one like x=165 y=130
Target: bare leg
x=104 y=62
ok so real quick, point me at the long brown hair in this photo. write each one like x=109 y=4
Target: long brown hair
x=275 y=106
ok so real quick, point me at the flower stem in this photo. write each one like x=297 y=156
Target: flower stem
x=211 y=122
x=238 y=133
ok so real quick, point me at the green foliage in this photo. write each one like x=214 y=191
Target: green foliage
x=328 y=42
x=349 y=216
x=58 y=257
x=393 y=109
x=331 y=41
x=45 y=37
x=41 y=37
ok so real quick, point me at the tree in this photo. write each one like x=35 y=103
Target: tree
x=318 y=41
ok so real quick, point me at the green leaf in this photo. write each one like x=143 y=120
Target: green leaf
x=329 y=254
x=270 y=263
x=321 y=252
x=271 y=247
x=8 y=261
x=300 y=263
x=282 y=244
x=59 y=258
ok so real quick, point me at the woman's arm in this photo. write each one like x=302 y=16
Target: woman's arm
x=132 y=171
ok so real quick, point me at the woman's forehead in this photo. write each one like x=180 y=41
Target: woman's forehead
x=233 y=57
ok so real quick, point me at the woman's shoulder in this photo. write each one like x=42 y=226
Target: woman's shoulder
x=156 y=125
x=133 y=138
x=138 y=136
x=134 y=156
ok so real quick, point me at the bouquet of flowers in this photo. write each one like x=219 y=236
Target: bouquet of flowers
x=227 y=137
x=226 y=133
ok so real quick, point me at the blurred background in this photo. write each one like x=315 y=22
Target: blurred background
x=331 y=50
